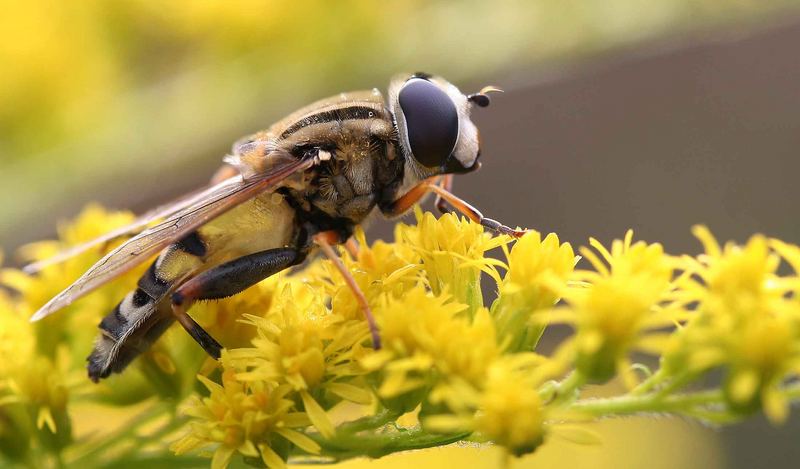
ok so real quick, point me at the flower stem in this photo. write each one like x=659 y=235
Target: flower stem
x=376 y=445
x=649 y=383
x=370 y=422
x=567 y=390
x=632 y=404
x=694 y=404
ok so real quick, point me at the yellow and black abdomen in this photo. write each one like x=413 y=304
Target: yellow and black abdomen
x=266 y=222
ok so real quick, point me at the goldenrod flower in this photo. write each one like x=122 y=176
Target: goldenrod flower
x=91 y=223
x=33 y=390
x=301 y=343
x=428 y=344
x=253 y=418
x=505 y=407
x=453 y=255
x=621 y=306
x=36 y=290
x=300 y=379
x=747 y=320
x=382 y=268
x=511 y=411
x=537 y=276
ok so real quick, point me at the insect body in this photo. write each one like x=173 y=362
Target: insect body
x=304 y=183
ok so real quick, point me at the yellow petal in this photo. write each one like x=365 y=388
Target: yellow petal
x=743 y=385
x=710 y=244
x=775 y=406
x=222 y=457
x=653 y=343
x=271 y=458
x=45 y=418
x=248 y=449
x=350 y=392
x=317 y=415
x=300 y=440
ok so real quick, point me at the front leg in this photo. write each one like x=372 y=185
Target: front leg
x=446 y=184
x=405 y=202
x=227 y=280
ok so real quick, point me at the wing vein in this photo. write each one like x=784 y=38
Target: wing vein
x=199 y=210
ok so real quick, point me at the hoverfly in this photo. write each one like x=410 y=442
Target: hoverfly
x=302 y=185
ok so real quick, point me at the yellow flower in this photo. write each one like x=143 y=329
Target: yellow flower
x=302 y=344
x=506 y=407
x=537 y=275
x=747 y=320
x=429 y=344
x=453 y=255
x=31 y=382
x=16 y=335
x=736 y=280
x=621 y=307
x=383 y=268
x=300 y=376
x=511 y=412
x=77 y=323
x=253 y=418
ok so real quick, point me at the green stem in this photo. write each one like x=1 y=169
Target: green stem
x=567 y=390
x=632 y=404
x=370 y=422
x=709 y=405
x=677 y=382
x=376 y=445
x=651 y=382
x=691 y=404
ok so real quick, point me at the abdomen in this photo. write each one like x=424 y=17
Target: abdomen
x=266 y=222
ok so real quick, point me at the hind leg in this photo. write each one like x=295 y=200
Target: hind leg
x=227 y=280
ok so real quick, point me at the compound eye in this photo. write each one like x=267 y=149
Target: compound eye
x=431 y=121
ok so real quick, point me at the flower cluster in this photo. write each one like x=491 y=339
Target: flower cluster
x=299 y=378
x=746 y=320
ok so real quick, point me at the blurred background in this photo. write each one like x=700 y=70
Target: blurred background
x=617 y=114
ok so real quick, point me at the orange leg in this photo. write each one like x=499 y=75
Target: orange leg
x=407 y=200
x=411 y=197
x=473 y=213
x=325 y=240
x=352 y=247
x=446 y=184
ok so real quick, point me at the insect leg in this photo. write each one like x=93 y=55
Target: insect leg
x=473 y=213
x=406 y=201
x=352 y=247
x=324 y=241
x=226 y=280
x=411 y=197
x=446 y=184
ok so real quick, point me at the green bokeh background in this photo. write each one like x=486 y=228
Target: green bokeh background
x=126 y=101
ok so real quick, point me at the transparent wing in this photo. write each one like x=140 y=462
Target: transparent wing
x=136 y=226
x=201 y=208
